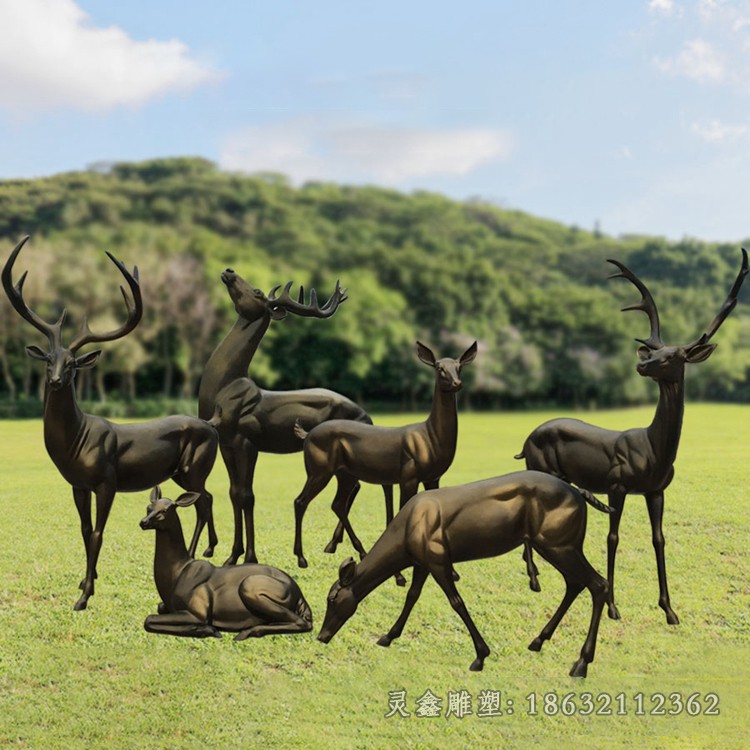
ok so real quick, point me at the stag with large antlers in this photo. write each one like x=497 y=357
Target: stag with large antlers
x=636 y=461
x=251 y=420
x=94 y=455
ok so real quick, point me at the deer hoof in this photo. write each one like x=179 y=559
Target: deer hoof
x=536 y=644
x=672 y=618
x=613 y=613
x=209 y=552
x=330 y=548
x=400 y=580
x=81 y=604
x=385 y=640
x=579 y=669
x=477 y=665
x=534 y=585
x=301 y=562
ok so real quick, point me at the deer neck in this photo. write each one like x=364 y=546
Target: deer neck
x=231 y=359
x=664 y=431
x=384 y=560
x=443 y=420
x=170 y=558
x=63 y=422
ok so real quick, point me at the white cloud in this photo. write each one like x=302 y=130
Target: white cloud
x=698 y=61
x=51 y=56
x=308 y=149
x=667 y=7
x=718 y=132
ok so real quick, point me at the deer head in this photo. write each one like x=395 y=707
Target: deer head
x=664 y=362
x=341 y=602
x=62 y=361
x=252 y=304
x=448 y=370
x=159 y=508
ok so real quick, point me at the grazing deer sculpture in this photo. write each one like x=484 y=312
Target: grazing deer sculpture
x=636 y=461
x=406 y=456
x=200 y=599
x=94 y=455
x=441 y=527
x=250 y=419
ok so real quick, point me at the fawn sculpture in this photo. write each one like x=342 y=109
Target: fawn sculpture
x=200 y=599
x=638 y=460
x=250 y=419
x=441 y=527
x=406 y=456
x=94 y=455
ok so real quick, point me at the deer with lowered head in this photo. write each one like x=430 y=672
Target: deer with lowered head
x=96 y=456
x=200 y=599
x=406 y=456
x=438 y=528
x=635 y=461
x=251 y=420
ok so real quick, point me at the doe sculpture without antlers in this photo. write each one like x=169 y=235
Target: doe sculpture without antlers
x=635 y=461
x=200 y=599
x=406 y=456
x=251 y=420
x=438 y=528
x=94 y=455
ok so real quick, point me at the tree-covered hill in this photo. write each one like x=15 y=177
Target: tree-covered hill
x=533 y=292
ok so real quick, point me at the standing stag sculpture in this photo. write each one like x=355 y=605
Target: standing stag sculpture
x=441 y=527
x=199 y=599
x=635 y=461
x=94 y=455
x=406 y=456
x=250 y=419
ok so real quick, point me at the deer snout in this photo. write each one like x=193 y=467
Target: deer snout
x=145 y=523
x=228 y=276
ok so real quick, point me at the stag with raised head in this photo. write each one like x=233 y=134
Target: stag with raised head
x=251 y=420
x=405 y=456
x=200 y=599
x=95 y=455
x=441 y=527
x=636 y=461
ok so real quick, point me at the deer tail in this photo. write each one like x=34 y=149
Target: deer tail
x=592 y=501
x=300 y=431
x=519 y=455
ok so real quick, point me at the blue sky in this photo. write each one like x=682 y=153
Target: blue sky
x=633 y=115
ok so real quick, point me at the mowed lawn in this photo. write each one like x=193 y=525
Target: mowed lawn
x=97 y=679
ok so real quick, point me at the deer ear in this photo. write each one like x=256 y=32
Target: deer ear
x=36 y=353
x=468 y=355
x=425 y=354
x=643 y=352
x=186 y=499
x=700 y=352
x=88 y=360
x=155 y=493
x=346 y=571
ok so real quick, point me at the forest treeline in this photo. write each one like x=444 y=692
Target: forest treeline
x=533 y=292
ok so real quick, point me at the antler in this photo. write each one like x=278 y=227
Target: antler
x=728 y=306
x=135 y=311
x=646 y=304
x=284 y=303
x=15 y=294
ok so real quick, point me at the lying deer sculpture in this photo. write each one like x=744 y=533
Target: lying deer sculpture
x=439 y=528
x=250 y=419
x=94 y=455
x=639 y=460
x=199 y=599
x=406 y=456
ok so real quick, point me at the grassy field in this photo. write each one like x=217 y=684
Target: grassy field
x=96 y=678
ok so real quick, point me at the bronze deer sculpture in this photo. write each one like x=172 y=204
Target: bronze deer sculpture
x=250 y=419
x=406 y=456
x=95 y=455
x=200 y=599
x=438 y=528
x=635 y=461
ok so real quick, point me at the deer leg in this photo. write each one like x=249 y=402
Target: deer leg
x=82 y=500
x=348 y=487
x=531 y=569
x=419 y=576
x=184 y=624
x=338 y=534
x=572 y=589
x=193 y=479
x=104 y=497
x=445 y=580
x=240 y=459
x=314 y=484
x=267 y=600
x=388 y=495
x=617 y=501
x=655 y=505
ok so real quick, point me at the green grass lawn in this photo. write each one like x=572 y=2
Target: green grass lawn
x=97 y=679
